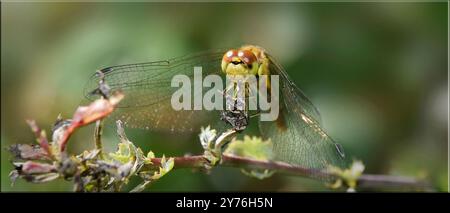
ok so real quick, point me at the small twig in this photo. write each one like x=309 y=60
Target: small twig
x=196 y=161
x=365 y=181
x=388 y=181
x=98 y=137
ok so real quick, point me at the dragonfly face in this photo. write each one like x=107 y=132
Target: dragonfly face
x=240 y=62
x=247 y=60
x=297 y=134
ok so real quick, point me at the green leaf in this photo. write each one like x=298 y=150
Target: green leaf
x=207 y=136
x=260 y=174
x=251 y=147
x=165 y=167
x=122 y=154
x=347 y=176
x=148 y=159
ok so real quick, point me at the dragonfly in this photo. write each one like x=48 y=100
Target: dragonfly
x=298 y=135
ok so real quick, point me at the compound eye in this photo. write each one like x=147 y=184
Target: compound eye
x=247 y=56
x=229 y=55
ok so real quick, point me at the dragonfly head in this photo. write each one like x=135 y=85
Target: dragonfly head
x=240 y=62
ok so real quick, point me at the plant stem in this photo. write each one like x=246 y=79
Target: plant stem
x=98 y=137
x=388 y=181
x=365 y=181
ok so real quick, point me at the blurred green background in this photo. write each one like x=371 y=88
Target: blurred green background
x=376 y=71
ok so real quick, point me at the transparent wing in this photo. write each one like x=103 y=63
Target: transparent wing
x=148 y=92
x=297 y=134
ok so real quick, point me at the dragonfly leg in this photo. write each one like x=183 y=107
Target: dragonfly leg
x=257 y=113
